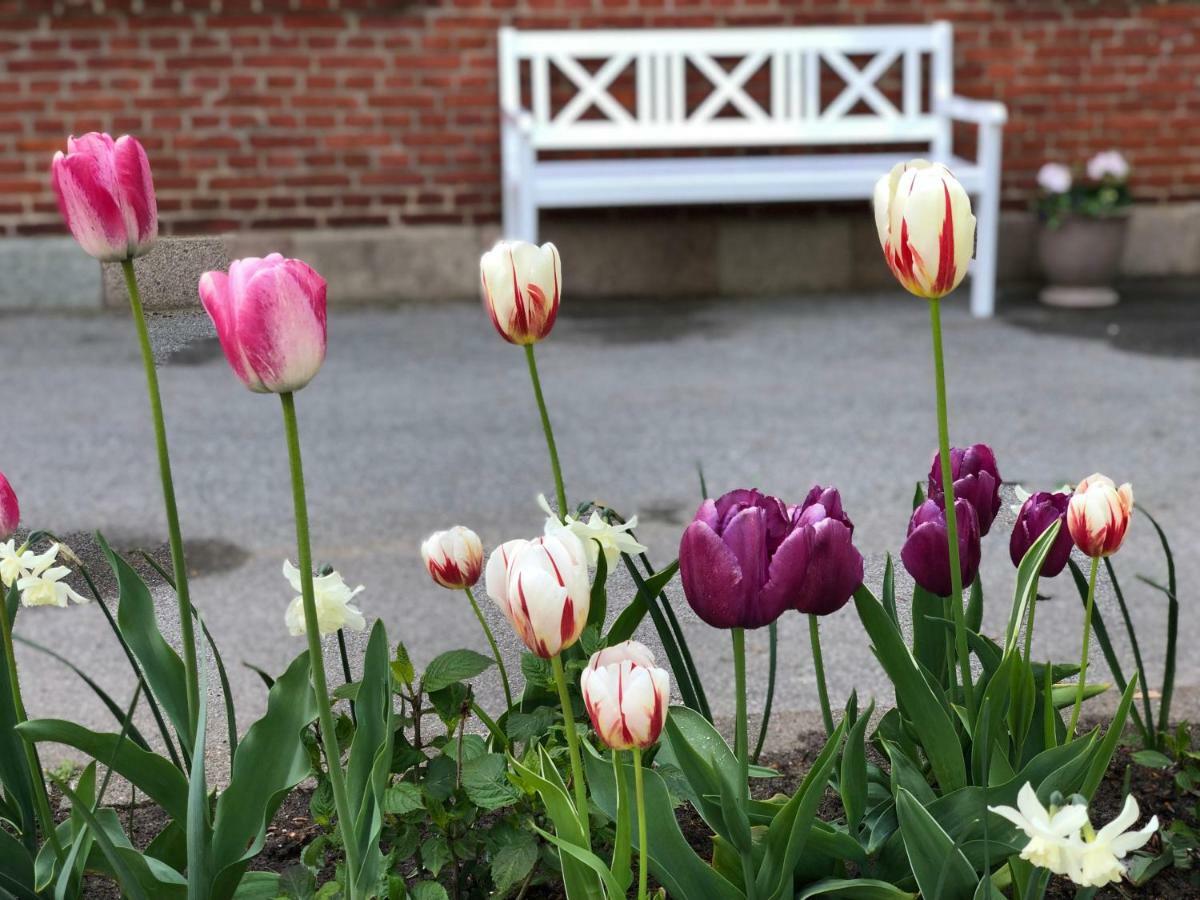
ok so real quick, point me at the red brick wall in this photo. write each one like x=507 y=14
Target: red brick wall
x=308 y=113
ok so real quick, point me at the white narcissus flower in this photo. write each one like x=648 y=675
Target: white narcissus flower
x=42 y=584
x=453 y=558
x=626 y=696
x=1054 y=178
x=14 y=563
x=332 y=597
x=596 y=534
x=1108 y=164
x=1098 y=859
x=1053 y=833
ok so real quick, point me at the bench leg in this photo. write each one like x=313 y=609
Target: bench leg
x=987 y=224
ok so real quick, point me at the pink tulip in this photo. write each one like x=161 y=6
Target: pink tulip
x=106 y=195
x=270 y=318
x=10 y=510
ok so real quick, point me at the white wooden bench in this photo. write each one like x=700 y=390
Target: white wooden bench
x=636 y=90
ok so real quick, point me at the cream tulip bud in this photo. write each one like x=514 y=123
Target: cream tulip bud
x=542 y=588
x=454 y=558
x=925 y=227
x=626 y=696
x=522 y=286
x=1098 y=515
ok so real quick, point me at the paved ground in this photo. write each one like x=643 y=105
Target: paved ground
x=423 y=418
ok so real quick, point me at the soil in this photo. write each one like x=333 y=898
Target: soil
x=1155 y=789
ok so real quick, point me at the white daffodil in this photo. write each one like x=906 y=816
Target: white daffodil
x=1053 y=833
x=1098 y=858
x=596 y=534
x=332 y=597
x=14 y=563
x=41 y=583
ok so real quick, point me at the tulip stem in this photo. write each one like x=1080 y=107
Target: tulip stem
x=814 y=636
x=640 y=792
x=491 y=641
x=559 y=491
x=956 y=606
x=741 y=746
x=178 y=562
x=316 y=656
x=1083 y=658
x=580 y=786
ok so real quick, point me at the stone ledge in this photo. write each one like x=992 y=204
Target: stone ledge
x=47 y=273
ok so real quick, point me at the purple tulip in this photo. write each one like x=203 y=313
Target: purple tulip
x=926 y=553
x=976 y=480
x=832 y=567
x=1038 y=513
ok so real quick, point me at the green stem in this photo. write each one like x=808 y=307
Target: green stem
x=564 y=698
x=741 y=747
x=772 y=666
x=956 y=607
x=491 y=639
x=640 y=792
x=1083 y=659
x=559 y=491
x=347 y=676
x=814 y=636
x=178 y=562
x=316 y=655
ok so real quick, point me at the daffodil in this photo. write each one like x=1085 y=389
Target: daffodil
x=332 y=596
x=41 y=583
x=1098 y=858
x=598 y=536
x=1053 y=833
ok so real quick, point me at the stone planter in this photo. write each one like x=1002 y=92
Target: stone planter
x=1081 y=259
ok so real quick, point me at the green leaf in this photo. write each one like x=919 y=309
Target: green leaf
x=453 y=666
x=852 y=777
x=1152 y=759
x=402 y=667
x=928 y=634
x=889 y=590
x=694 y=747
x=588 y=858
x=435 y=853
x=1106 y=747
x=854 y=889
x=401 y=798
x=1027 y=582
x=525 y=726
x=631 y=617
x=16 y=868
x=974 y=614
x=1168 y=682
x=513 y=857
x=939 y=866
x=599 y=601
x=15 y=776
x=536 y=671
x=428 y=890
x=198 y=825
x=484 y=779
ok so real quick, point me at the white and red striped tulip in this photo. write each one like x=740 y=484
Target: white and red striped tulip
x=1098 y=515
x=270 y=317
x=522 y=286
x=626 y=696
x=106 y=195
x=925 y=227
x=542 y=588
x=453 y=557
x=10 y=509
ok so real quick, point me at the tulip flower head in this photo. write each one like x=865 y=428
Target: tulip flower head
x=1037 y=513
x=1098 y=515
x=925 y=226
x=106 y=195
x=270 y=317
x=976 y=480
x=1053 y=833
x=926 y=552
x=832 y=566
x=10 y=510
x=626 y=696
x=1099 y=858
x=41 y=584
x=332 y=597
x=522 y=286
x=542 y=588
x=454 y=557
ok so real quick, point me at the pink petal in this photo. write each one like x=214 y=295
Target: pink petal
x=89 y=207
x=136 y=192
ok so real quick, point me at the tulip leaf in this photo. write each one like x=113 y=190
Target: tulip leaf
x=598 y=609
x=852 y=774
x=889 y=590
x=1108 y=746
x=1168 y=682
x=15 y=775
x=588 y=858
x=929 y=642
x=199 y=823
x=692 y=745
x=854 y=889
x=939 y=737
x=938 y=864
x=16 y=868
x=631 y=617
x=974 y=614
x=1027 y=583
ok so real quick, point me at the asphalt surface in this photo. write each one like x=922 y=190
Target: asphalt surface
x=423 y=418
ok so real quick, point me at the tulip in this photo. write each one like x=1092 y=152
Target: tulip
x=976 y=480
x=270 y=317
x=832 y=567
x=522 y=286
x=542 y=588
x=106 y=196
x=626 y=696
x=454 y=558
x=925 y=226
x=1037 y=513
x=926 y=552
x=1098 y=515
x=10 y=510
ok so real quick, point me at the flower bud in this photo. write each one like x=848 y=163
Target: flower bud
x=626 y=696
x=270 y=317
x=1039 y=512
x=926 y=552
x=925 y=226
x=542 y=588
x=976 y=480
x=106 y=195
x=522 y=285
x=10 y=510
x=454 y=558
x=1098 y=515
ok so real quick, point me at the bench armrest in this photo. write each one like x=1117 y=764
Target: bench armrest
x=520 y=119
x=981 y=112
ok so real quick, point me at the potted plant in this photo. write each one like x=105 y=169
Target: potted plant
x=1082 y=234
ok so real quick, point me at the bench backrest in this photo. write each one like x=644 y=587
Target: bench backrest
x=728 y=87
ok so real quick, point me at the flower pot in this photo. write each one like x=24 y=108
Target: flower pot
x=1081 y=258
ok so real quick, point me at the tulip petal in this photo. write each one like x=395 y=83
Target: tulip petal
x=746 y=536
x=88 y=206
x=135 y=190
x=217 y=297
x=711 y=577
x=281 y=334
x=834 y=570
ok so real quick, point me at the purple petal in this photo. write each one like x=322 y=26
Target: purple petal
x=712 y=581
